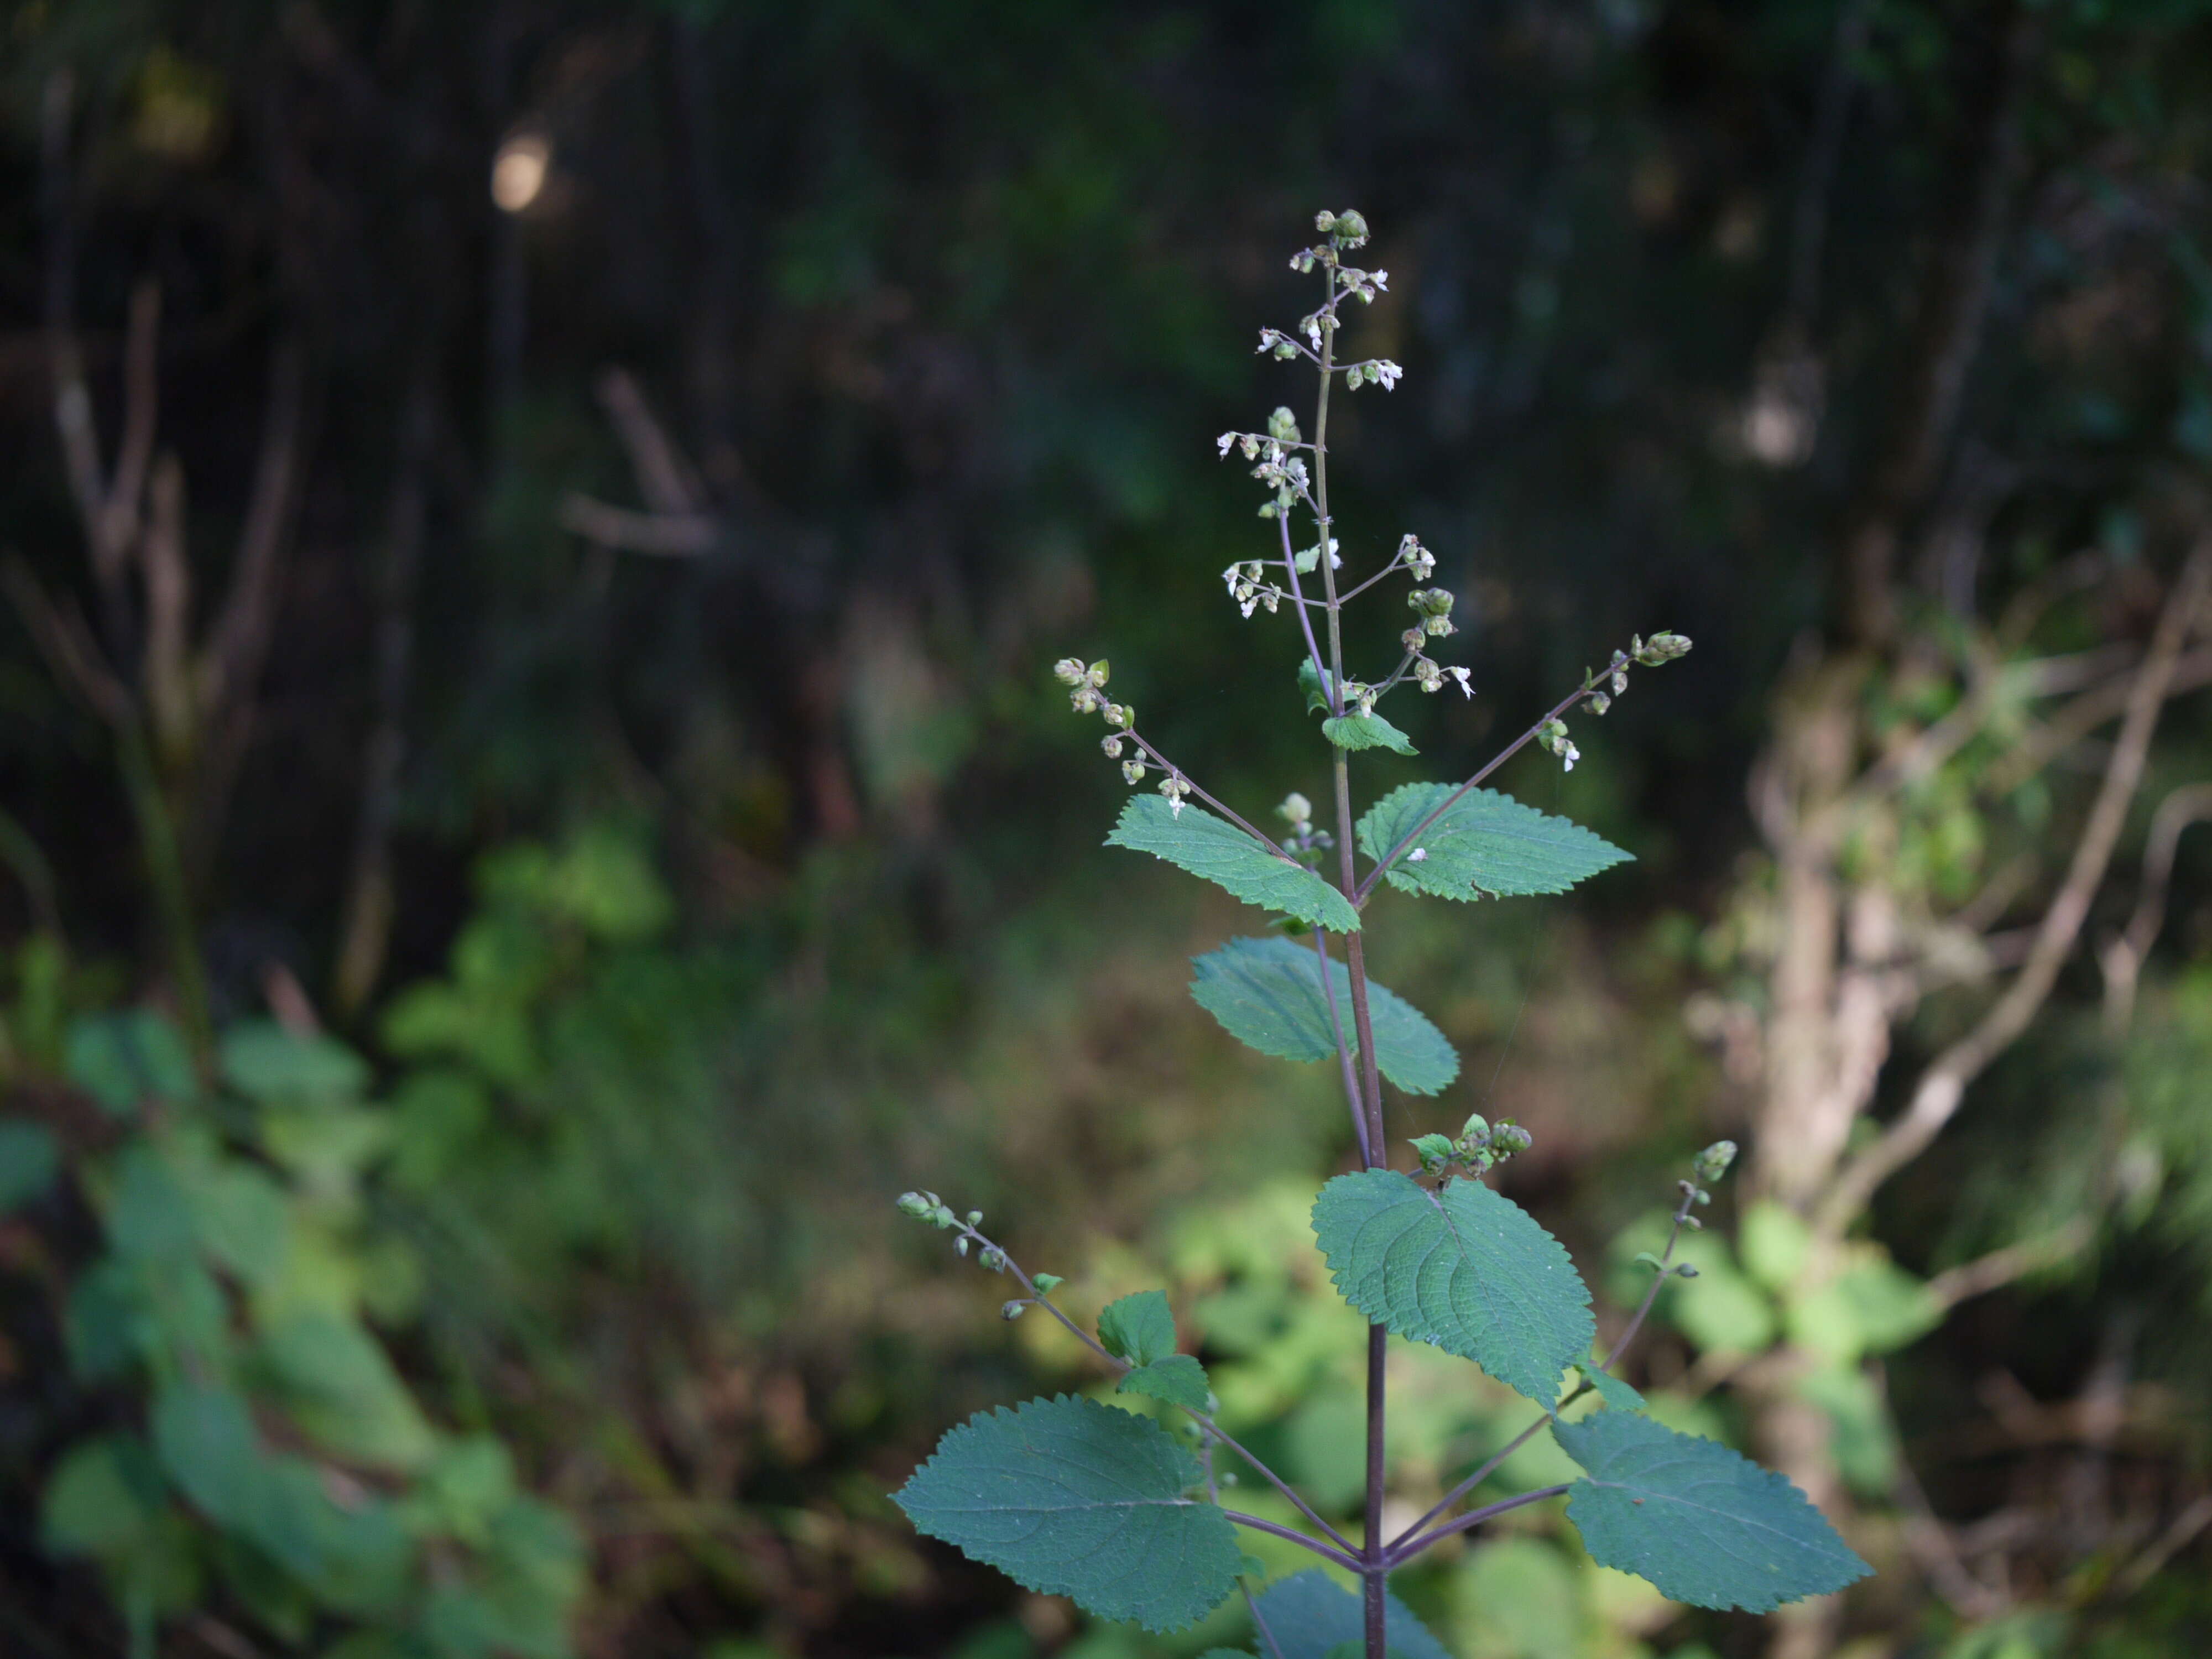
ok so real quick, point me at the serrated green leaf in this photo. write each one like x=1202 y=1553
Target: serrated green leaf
x=1213 y=847
x=1705 y=1526
x=1309 y=1615
x=1485 y=842
x=1138 y=1327
x=1072 y=1497
x=1178 y=1379
x=1616 y=1394
x=1366 y=731
x=1466 y=1270
x=1266 y=994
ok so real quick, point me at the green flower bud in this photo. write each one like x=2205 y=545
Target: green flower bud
x=1686 y=1271
x=1713 y=1163
x=1324 y=221
x=1296 y=808
x=1068 y=671
x=914 y=1205
x=1013 y=1311
x=1475 y=1129
x=1283 y=426
x=1350 y=228
x=1096 y=673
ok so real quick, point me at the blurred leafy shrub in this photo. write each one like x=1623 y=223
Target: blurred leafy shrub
x=245 y=1437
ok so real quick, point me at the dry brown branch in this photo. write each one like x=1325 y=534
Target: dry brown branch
x=1998 y=1268
x=2078 y=719
x=669 y=536
x=2122 y=958
x=62 y=637
x=1936 y=1095
x=231 y=662
x=666 y=480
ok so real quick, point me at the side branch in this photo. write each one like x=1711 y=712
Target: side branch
x=1397 y=1555
x=1411 y=836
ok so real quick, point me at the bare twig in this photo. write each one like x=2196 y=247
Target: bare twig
x=2000 y=1268
x=2122 y=959
x=1936 y=1095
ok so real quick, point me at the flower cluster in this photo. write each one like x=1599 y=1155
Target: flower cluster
x=1304 y=841
x=1481 y=1147
x=1552 y=734
x=1089 y=696
x=1246 y=587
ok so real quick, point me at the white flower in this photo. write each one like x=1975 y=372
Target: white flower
x=1227 y=440
x=1231 y=576
x=1461 y=675
x=1387 y=372
x=1381 y=278
x=1418 y=855
x=1569 y=754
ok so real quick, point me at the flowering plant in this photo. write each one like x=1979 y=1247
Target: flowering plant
x=1077 y=1496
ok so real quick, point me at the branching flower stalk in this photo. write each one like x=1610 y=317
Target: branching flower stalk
x=1071 y=1495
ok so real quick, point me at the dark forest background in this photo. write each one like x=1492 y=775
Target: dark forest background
x=532 y=802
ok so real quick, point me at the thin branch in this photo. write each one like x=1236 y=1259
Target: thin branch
x=1119 y=1366
x=1291 y=1534
x=1402 y=1554
x=231 y=662
x=1407 y=841
x=2079 y=717
x=68 y=646
x=1305 y=622
x=662 y=534
x=1936 y=1095
x=1999 y=1268
x=2123 y=959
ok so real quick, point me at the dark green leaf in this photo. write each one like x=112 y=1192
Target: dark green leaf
x=1071 y=1498
x=29 y=1160
x=1366 y=731
x=122 y=1058
x=1309 y=1615
x=340 y=1386
x=104 y=1498
x=150 y=1218
x=207 y=1445
x=1705 y=1526
x=1465 y=1269
x=1216 y=850
x=1266 y=993
x=1178 y=1379
x=266 y=1063
x=1485 y=842
x=1138 y=1327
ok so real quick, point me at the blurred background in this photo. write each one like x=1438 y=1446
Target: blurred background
x=532 y=802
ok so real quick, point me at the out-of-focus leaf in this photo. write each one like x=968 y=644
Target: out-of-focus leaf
x=1311 y=1615
x=339 y=1386
x=273 y=1066
x=29 y=1160
x=123 y=1059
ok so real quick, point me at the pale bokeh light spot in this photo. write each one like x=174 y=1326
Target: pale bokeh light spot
x=518 y=172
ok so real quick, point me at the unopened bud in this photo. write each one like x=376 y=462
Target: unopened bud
x=1713 y=1163
x=1296 y=808
x=1350 y=228
x=914 y=1205
x=1686 y=1271
x=1096 y=673
x=1283 y=426
x=1013 y=1311
x=1068 y=672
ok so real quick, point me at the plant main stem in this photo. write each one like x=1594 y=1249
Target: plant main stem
x=1374 y=1553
